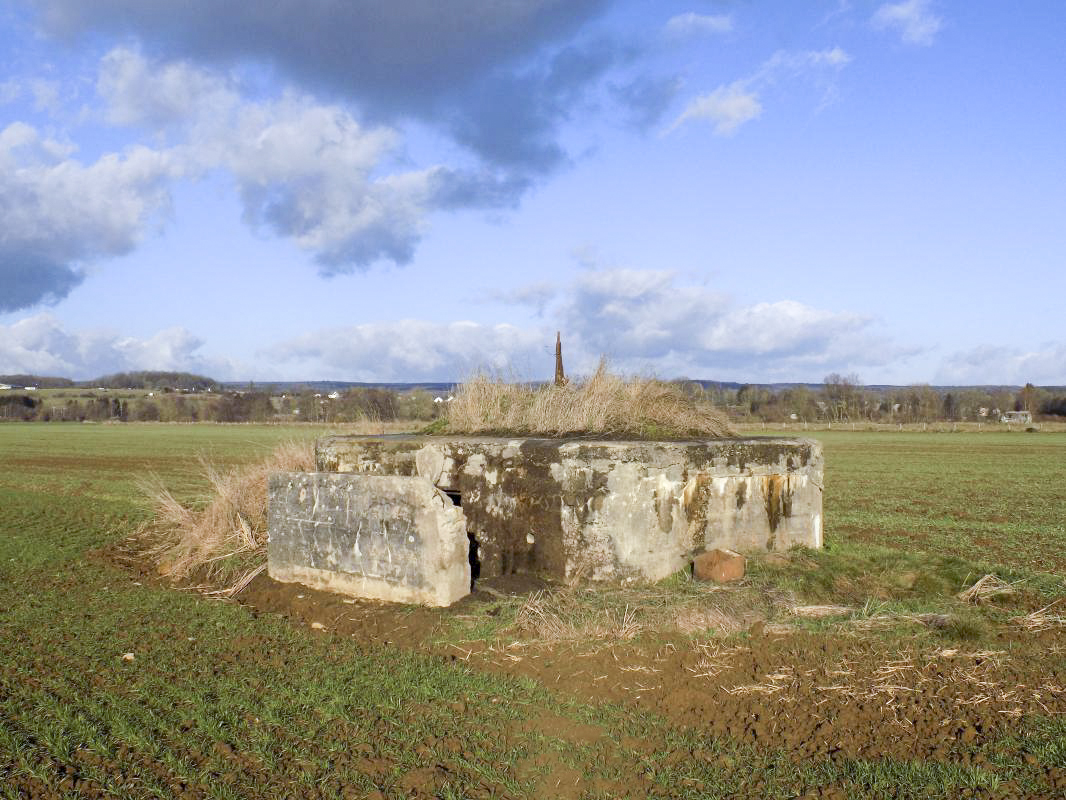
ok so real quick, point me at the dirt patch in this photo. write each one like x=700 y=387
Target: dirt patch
x=812 y=695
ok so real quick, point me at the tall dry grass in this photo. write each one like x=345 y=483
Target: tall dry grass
x=603 y=404
x=222 y=537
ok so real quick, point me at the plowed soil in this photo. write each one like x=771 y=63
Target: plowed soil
x=813 y=695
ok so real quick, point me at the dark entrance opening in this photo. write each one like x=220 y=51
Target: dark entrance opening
x=475 y=562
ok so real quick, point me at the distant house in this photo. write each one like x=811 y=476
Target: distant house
x=31 y=388
x=5 y=386
x=1021 y=417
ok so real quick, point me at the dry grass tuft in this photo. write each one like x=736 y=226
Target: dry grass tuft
x=820 y=612
x=985 y=589
x=1041 y=620
x=604 y=404
x=613 y=613
x=560 y=616
x=228 y=525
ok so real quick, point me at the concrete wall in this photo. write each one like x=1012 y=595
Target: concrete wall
x=605 y=510
x=384 y=537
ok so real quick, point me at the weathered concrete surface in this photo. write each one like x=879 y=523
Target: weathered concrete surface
x=384 y=537
x=604 y=510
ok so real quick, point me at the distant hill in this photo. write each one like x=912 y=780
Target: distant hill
x=40 y=381
x=329 y=386
x=155 y=380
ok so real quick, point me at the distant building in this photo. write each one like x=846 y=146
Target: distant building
x=1021 y=417
x=333 y=395
x=5 y=386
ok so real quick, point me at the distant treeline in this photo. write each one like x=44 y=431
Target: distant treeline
x=182 y=397
x=844 y=398
x=168 y=405
x=156 y=381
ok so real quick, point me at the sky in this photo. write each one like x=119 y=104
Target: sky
x=415 y=191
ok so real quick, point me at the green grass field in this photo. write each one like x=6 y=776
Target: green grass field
x=218 y=700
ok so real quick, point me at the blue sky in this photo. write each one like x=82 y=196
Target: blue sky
x=415 y=190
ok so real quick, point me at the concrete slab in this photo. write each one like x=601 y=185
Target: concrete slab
x=390 y=538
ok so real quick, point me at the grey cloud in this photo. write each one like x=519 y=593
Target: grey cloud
x=452 y=189
x=510 y=119
x=470 y=62
x=399 y=53
x=27 y=279
x=647 y=98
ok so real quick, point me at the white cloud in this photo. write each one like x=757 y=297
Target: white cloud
x=303 y=169
x=137 y=92
x=644 y=321
x=727 y=108
x=730 y=106
x=912 y=19
x=691 y=24
x=991 y=364
x=535 y=295
x=417 y=350
x=57 y=213
x=41 y=345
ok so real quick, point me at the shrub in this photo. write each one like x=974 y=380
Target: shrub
x=226 y=532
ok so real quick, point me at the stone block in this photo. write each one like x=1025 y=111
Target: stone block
x=383 y=537
x=720 y=566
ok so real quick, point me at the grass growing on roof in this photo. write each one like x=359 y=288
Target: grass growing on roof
x=603 y=404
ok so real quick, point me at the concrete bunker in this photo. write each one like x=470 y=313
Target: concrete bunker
x=564 y=509
x=421 y=518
